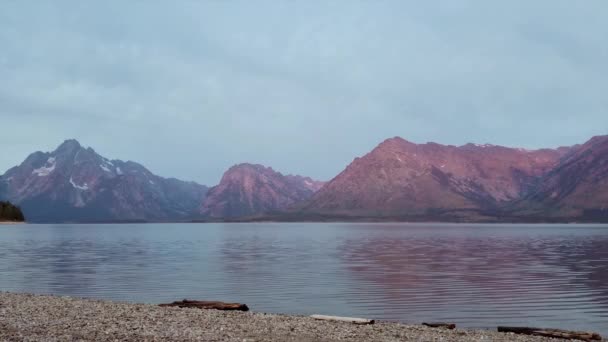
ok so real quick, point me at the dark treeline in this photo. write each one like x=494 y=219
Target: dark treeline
x=9 y=212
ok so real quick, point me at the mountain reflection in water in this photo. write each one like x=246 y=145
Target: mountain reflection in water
x=473 y=275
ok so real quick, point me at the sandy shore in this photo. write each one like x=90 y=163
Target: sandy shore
x=25 y=317
x=11 y=222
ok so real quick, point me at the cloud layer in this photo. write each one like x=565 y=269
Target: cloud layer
x=190 y=88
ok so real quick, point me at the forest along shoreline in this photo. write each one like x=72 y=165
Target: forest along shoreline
x=10 y=213
x=43 y=317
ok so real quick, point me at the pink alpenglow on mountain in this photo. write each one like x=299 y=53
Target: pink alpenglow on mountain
x=248 y=189
x=400 y=178
x=577 y=187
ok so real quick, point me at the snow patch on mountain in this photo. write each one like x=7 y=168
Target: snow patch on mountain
x=84 y=187
x=47 y=169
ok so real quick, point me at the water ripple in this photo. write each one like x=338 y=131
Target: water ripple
x=473 y=275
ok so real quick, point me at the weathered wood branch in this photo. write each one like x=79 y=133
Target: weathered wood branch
x=344 y=319
x=441 y=325
x=208 y=305
x=557 y=333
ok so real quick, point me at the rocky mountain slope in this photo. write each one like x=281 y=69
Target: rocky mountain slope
x=402 y=179
x=577 y=187
x=74 y=183
x=398 y=180
x=248 y=189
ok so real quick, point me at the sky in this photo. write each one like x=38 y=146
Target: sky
x=190 y=88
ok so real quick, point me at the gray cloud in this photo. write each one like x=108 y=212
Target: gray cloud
x=190 y=88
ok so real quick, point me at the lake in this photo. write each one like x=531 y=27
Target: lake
x=474 y=275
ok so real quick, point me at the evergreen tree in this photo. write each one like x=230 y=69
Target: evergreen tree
x=9 y=212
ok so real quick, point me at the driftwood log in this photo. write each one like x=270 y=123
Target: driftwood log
x=441 y=325
x=208 y=305
x=343 y=319
x=556 y=333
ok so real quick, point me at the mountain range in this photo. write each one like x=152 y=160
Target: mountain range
x=74 y=183
x=398 y=180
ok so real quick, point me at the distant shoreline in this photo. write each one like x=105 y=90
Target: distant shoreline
x=11 y=222
x=43 y=317
x=361 y=221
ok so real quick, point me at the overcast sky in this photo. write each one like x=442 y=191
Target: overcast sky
x=189 y=88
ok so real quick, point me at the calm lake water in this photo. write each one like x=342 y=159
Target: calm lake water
x=474 y=275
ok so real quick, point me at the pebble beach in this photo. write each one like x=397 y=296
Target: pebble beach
x=27 y=317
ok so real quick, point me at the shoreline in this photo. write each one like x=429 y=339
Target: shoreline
x=53 y=318
x=11 y=222
x=317 y=222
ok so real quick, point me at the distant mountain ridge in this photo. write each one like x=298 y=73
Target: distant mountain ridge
x=250 y=189
x=74 y=183
x=576 y=187
x=397 y=180
x=405 y=181
x=399 y=177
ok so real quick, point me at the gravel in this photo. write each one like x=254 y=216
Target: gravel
x=26 y=317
